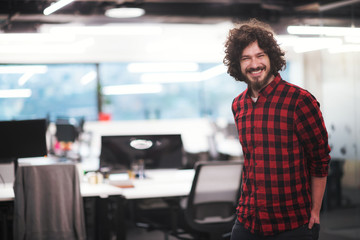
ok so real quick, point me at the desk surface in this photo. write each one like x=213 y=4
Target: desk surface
x=159 y=183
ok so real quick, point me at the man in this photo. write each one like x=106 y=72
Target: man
x=284 y=142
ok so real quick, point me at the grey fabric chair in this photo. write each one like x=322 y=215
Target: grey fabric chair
x=48 y=203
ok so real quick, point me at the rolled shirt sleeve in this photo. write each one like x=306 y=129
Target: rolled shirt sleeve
x=311 y=130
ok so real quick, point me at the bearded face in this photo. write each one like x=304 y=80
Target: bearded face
x=255 y=67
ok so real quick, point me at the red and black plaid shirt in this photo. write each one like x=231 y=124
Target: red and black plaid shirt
x=284 y=142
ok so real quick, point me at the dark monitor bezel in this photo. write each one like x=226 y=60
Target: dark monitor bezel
x=22 y=139
x=123 y=164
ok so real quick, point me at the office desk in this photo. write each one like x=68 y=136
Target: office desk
x=158 y=184
x=161 y=183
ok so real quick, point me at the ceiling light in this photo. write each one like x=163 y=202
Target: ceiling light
x=11 y=38
x=73 y=48
x=183 y=76
x=124 y=12
x=163 y=67
x=307 y=44
x=15 y=93
x=345 y=48
x=128 y=29
x=89 y=77
x=313 y=44
x=23 y=69
x=56 y=6
x=132 y=89
x=352 y=39
x=328 y=31
x=170 y=77
x=24 y=78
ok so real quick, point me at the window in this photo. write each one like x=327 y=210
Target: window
x=129 y=91
x=53 y=90
x=167 y=90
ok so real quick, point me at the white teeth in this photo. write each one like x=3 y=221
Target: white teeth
x=256 y=71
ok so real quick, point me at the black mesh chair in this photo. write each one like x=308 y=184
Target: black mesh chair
x=209 y=210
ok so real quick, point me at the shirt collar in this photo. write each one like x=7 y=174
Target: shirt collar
x=271 y=86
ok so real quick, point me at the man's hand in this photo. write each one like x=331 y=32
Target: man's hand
x=318 y=185
x=314 y=218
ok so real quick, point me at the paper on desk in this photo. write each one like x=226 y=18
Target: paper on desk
x=121 y=180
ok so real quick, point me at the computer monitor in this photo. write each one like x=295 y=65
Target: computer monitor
x=163 y=151
x=22 y=139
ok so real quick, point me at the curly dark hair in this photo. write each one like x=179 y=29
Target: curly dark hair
x=241 y=37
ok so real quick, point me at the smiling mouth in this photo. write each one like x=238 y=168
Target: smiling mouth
x=256 y=70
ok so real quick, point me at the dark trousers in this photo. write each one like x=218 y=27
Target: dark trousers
x=301 y=233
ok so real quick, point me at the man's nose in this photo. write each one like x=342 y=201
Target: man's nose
x=254 y=63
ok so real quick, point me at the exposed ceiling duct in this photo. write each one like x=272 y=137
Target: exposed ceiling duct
x=27 y=15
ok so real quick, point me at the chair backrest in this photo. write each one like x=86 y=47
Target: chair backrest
x=214 y=196
x=66 y=132
x=48 y=203
x=7 y=173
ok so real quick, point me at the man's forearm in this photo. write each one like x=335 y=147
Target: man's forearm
x=318 y=185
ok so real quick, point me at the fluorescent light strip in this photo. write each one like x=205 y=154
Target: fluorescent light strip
x=345 y=48
x=24 y=78
x=214 y=71
x=108 y=30
x=328 y=31
x=15 y=93
x=170 y=77
x=183 y=77
x=307 y=44
x=163 y=67
x=56 y=6
x=89 y=77
x=23 y=69
x=313 y=44
x=352 y=39
x=71 y=48
x=36 y=38
x=124 y=12
x=132 y=89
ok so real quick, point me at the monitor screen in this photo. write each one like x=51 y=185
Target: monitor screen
x=164 y=151
x=22 y=139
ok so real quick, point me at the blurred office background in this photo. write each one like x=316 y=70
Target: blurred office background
x=163 y=71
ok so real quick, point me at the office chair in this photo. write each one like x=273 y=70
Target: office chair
x=67 y=133
x=48 y=203
x=209 y=210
